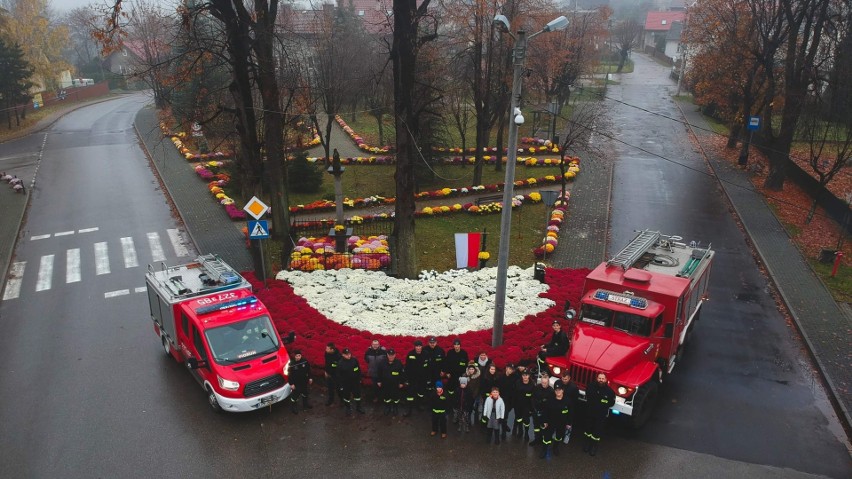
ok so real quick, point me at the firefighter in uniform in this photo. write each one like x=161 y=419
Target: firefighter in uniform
x=557 y=415
x=455 y=364
x=523 y=405
x=436 y=356
x=416 y=374
x=558 y=346
x=572 y=393
x=542 y=393
x=391 y=375
x=599 y=399
x=332 y=357
x=349 y=375
x=299 y=375
x=439 y=402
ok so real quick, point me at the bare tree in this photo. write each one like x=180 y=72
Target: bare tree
x=626 y=39
x=583 y=118
x=413 y=28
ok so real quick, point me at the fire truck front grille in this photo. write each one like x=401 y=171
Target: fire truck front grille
x=263 y=385
x=582 y=375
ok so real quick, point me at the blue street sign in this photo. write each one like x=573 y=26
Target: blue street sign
x=258 y=229
x=753 y=123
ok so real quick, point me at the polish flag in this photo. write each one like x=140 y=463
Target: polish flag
x=468 y=246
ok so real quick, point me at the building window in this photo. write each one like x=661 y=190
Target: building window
x=360 y=13
x=124 y=50
x=664 y=22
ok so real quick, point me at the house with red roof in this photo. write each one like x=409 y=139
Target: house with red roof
x=662 y=32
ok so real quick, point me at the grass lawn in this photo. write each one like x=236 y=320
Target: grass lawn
x=840 y=285
x=436 y=241
x=360 y=181
x=32 y=118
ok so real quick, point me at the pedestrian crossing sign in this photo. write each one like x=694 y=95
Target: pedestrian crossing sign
x=258 y=229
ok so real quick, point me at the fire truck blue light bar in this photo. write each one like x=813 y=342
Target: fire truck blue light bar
x=625 y=299
x=226 y=305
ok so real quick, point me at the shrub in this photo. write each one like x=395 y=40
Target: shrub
x=303 y=177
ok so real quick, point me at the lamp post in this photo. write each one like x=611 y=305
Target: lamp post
x=519 y=54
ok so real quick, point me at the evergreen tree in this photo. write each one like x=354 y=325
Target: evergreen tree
x=304 y=177
x=15 y=80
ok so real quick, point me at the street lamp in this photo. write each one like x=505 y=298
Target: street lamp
x=518 y=53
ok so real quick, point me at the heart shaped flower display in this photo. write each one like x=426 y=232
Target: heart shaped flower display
x=438 y=304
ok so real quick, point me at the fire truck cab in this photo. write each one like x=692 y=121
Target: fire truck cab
x=635 y=317
x=206 y=317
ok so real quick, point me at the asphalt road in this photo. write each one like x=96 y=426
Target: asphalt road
x=85 y=390
x=747 y=389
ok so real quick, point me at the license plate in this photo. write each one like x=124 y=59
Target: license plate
x=268 y=400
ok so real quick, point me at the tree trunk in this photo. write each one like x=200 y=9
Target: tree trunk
x=403 y=55
x=622 y=58
x=734 y=135
x=273 y=124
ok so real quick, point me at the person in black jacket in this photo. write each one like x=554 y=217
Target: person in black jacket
x=299 y=375
x=439 y=402
x=557 y=413
x=542 y=393
x=455 y=364
x=507 y=383
x=332 y=357
x=416 y=373
x=463 y=404
x=523 y=405
x=436 y=356
x=349 y=376
x=572 y=393
x=599 y=399
x=391 y=381
x=487 y=381
x=558 y=346
x=374 y=357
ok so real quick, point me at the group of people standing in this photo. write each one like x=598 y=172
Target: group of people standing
x=466 y=391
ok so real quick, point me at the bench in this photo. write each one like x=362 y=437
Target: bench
x=485 y=200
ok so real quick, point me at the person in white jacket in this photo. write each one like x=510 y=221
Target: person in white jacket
x=494 y=415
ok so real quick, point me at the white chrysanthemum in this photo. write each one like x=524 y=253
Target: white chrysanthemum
x=451 y=302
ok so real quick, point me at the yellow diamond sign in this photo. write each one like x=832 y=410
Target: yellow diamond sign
x=255 y=208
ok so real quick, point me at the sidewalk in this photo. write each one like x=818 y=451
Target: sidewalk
x=822 y=323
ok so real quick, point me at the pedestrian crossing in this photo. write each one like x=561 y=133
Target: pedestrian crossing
x=76 y=258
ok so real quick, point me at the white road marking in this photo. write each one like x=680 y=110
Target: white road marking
x=140 y=290
x=87 y=230
x=64 y=233
x=45 y=273
x=72 y=265
x=112 y=294
x=156 y=248
x=177 y=243
x=13 y=285
x=39 y=237
x=129 y=252
x=101 y=258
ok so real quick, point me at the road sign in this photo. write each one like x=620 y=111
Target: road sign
x=255 y=208
x=754 y=123
x=258 y=229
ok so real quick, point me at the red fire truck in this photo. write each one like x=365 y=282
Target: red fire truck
x=207 y=318
x=636 y=315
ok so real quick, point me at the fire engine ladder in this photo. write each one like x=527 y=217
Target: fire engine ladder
x=644 y=241
x=218 y=270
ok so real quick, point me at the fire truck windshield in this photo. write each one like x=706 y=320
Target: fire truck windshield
x=237 y=342
x=627 y=322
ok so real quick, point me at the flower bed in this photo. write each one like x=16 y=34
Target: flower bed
x=317 y=254
x=360 y=141
x=375 y=318
x=216 y=184
x=551 y=237
x=327 y=205
x=451 y=160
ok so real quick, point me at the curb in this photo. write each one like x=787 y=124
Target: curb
x=833 y=393
x=150 y=158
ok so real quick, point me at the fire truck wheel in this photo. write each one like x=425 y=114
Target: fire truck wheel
x=643 y=404
x=211 y=398
x=166 y=346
